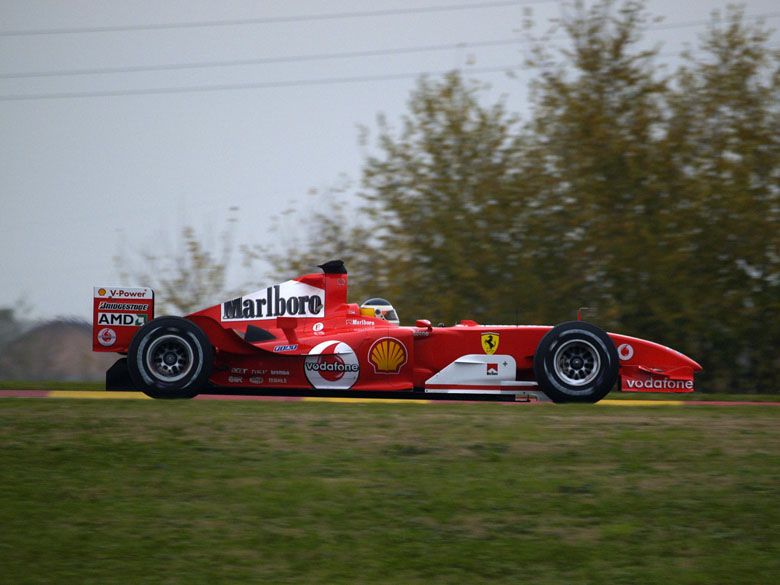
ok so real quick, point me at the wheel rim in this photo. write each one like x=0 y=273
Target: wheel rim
x=577 y=362
x=169 y=358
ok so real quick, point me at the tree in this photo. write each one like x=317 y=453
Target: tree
x=724 y=131
x=600 y=209
x=334 y=228
x=189 y=277
x=441 y=208
x=658 y=199
x=652 y=197
x=445 y=201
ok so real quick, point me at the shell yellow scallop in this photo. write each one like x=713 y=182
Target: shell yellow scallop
x=387 y=355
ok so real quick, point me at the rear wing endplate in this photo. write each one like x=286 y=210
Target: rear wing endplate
x=117 y=313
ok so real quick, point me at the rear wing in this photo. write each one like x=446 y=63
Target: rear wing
x=117 y=313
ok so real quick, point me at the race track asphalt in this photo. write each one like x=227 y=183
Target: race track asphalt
x=113 y=395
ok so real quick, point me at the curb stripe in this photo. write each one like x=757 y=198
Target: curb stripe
x=641 y=403
x=366 y=400
x=240 y=397
x=105 y=395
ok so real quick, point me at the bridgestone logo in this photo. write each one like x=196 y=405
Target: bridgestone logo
x=655 y=384
x=331 y=367
x=108 y=306
x=289 y=299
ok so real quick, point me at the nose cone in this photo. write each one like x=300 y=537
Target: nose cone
x=676 y=358
x=634 y=351
x=682 y=359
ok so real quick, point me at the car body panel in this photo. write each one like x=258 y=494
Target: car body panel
x=303 y=335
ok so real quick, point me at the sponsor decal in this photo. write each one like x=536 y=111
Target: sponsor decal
x=124 y=293
x=235 y=379
x=134 y=294
x=106 y=337
x=277 y=380
x=247 y=372
x=109 y=306
x=291 y=347
x=289 y=299
x=659 y=384
x=491 y=369
x=255 y=380
x=121 y=319
x=317 y=327
x=490 y=343
x=336 y=365
x=332 y=365
x=387 y=355
x=625 y=351
x=361 y=322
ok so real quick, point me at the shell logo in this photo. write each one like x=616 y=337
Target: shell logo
x=102 y=292
x=387 y=355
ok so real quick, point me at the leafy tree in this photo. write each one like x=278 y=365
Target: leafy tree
x=599 y=209
x=446 y=204
x=441 y=219
x=724 y=133
x=658 y=198
x=652 y=197
x=186 y=278
x=334 y=229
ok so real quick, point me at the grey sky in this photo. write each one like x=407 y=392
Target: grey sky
x=81 y=175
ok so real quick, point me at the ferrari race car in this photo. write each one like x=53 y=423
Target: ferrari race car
x=302 y=337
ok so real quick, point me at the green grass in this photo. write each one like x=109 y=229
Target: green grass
x=50 y=385
x=103 y=492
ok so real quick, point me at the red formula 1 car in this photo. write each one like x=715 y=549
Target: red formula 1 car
x=303 y=337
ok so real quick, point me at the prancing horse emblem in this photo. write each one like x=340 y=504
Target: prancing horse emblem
x=490 y=343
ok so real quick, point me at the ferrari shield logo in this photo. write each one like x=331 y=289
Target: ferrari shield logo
x=490 y=343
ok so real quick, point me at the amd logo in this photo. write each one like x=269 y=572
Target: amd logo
x=121 y=319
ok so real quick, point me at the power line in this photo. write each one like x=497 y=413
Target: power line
x=320 y=56
x=262 y=60
x=267 y=84
x=272 y=19
x=274 y=84
x=688 y=23
x=240 y=86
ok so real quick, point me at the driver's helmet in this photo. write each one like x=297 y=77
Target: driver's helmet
x=381 y=309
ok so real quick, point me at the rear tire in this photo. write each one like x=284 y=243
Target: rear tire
x=170 y=357
x=576 y=362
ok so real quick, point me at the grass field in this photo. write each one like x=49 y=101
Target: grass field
x=295 y=492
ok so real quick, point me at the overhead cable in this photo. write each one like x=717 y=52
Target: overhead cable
x=317 y=56
x=239 y=86
x=272 y=19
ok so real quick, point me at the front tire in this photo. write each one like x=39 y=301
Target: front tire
x=170 y=357
x=576 y=362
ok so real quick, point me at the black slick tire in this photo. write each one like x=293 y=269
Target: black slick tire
x=576 y=362
x=170 y=357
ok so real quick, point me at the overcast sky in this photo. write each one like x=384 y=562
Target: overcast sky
x=127 y=165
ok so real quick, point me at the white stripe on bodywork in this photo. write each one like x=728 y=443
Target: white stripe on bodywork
x=473 y=369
